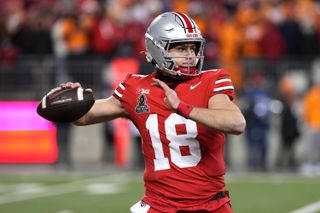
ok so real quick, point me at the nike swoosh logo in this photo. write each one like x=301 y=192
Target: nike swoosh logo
x=194 y=86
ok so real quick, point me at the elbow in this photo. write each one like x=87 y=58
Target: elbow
x=80 y=122
x=239 y=126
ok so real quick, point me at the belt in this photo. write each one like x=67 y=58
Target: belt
x=219 y=195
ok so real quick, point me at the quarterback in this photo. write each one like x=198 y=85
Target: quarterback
x=182 y=114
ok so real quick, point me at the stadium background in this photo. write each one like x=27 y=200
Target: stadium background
x=45 y=42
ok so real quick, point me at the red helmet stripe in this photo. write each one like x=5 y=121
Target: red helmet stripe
x=186 y=21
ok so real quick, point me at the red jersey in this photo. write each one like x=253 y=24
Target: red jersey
x=184 y=160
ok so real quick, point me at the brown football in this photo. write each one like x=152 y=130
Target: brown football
x=65 y=104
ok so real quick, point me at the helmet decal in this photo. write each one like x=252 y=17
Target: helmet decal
x=187 y=22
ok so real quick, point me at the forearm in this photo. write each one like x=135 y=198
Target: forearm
x=226 y=120
x=90 y=118
x=103 y=110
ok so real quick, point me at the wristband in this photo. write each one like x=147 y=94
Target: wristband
x=184 y=109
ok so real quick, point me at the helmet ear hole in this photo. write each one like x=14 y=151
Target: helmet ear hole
x=153 y=62
x=170 y=64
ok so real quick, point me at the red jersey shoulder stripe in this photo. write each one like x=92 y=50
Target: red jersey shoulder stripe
x=223 y=80
x=219 y=89
x=223 y=84
x=119 y=90
x=138 y=75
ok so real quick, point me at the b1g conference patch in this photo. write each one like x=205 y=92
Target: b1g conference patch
x=142 y=106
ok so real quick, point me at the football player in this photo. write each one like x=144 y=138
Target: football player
x=182 y=114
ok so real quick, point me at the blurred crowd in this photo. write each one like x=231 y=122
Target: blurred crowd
x=266 y=29
x=238 y=34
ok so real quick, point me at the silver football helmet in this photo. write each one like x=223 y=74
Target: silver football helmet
x=169 y=28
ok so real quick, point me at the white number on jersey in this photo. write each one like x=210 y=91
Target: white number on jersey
x=177 y=141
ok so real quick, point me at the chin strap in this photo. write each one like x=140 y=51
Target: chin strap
x=186 y=71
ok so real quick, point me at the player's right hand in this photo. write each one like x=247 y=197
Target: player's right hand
x=73 y=85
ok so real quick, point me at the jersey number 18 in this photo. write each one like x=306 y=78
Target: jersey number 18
x=176 y=142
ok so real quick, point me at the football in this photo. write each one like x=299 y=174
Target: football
x=65 y=104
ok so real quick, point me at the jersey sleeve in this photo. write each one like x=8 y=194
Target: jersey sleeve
x=223 y=84
x=121 y=89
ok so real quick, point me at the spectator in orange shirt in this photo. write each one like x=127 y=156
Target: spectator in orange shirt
x=229 y=37
x=311 y=113
x=76 y=36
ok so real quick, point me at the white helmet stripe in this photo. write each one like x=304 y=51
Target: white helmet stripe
x=189 y=25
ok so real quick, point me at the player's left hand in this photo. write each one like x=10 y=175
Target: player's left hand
x=172 y=100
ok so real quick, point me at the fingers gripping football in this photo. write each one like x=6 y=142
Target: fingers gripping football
x=73 y=85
